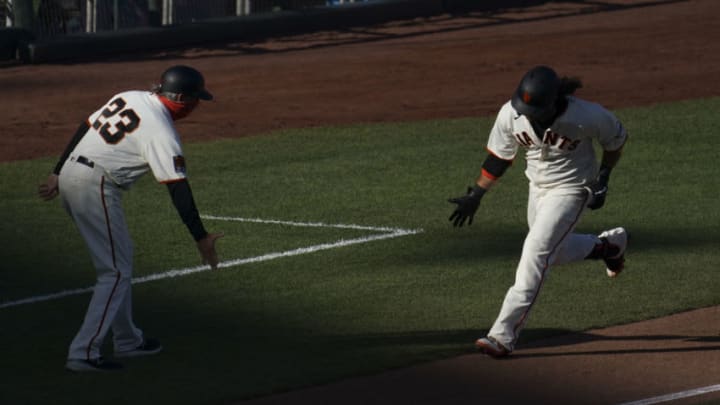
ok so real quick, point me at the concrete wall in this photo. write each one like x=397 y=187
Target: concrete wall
x=78 y=47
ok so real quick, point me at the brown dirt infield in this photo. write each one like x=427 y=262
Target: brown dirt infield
x=605 y=366
x=627 y=52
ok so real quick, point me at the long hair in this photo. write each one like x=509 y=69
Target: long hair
x=568 y=85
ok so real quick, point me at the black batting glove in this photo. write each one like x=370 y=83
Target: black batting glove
x=467 y=205
x=598 y=189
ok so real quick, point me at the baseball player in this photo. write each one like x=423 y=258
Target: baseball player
x=556 y=131
x=133 y=133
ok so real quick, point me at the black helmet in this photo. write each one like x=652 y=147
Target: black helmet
x=181 y=81
x=537 y=93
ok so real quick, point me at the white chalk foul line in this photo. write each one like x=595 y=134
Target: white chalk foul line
x=311 y=224
x=674 y=396
x=387 y=233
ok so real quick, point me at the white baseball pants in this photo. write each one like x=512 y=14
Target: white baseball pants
x=95 y=205
x=552 y=217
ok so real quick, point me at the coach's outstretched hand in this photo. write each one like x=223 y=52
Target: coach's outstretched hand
x=467 y=205
x=206 y=246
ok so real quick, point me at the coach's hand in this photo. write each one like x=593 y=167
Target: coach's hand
x=206 y=246
x=467 y=205
x=49 y=189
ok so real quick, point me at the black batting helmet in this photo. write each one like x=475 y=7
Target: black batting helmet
x=537 y=93
x=179 y=81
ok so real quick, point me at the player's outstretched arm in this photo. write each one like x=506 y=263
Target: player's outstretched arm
x=467 y=205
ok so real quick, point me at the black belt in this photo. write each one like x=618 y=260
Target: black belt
x=85 y=161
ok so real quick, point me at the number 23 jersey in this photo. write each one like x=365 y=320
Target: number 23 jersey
x=132 y=134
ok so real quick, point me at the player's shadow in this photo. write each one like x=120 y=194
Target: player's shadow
x=612 y=345
x=531 y=343
x=479 y=242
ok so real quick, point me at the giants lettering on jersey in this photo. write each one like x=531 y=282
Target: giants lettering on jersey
x=551 y=138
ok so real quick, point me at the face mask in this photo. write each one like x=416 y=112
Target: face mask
x=546 y=118
x=179 y=110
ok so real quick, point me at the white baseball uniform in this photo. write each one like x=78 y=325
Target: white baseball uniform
x=130 y=135
x=560 y=163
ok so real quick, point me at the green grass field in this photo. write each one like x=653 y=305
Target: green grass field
x=275 y=325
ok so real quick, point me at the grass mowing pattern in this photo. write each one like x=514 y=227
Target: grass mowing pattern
x=287 y=323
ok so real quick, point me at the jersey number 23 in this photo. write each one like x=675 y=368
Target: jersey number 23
x=114 y=130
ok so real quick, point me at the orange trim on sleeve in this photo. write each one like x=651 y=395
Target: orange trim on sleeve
x=173 y=181
x=487 y=174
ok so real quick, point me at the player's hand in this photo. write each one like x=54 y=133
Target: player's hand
x=598 y=189
x=206 y=246
x=597 y=193
x=467 y=205
x=49 y=189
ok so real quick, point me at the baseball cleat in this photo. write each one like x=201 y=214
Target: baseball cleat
x=614 y=258
x=492 y=347
x=149 y=346
x=98 y=364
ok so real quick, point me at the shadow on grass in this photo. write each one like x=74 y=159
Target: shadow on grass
x=494 y=241
x=644 y=237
